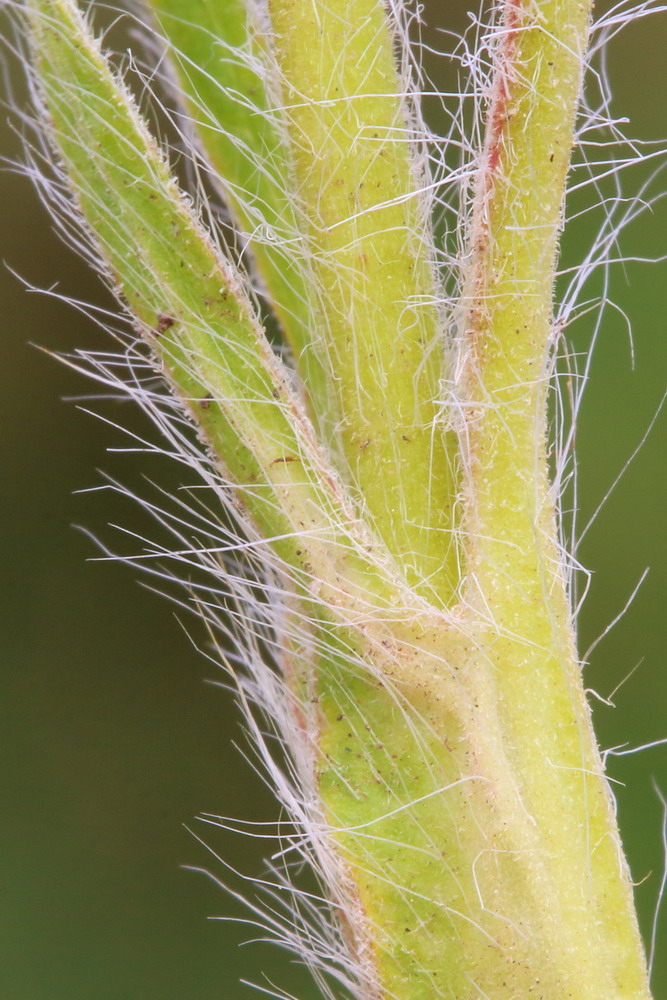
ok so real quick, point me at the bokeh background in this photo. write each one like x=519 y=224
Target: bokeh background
x=111 y=739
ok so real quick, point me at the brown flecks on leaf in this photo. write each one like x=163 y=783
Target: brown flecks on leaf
x=164 y=323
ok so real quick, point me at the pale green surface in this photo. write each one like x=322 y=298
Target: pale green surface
x=213 y=350
x=382 y=338
x=514 y=876
x=535 y=684
x=224 y=71
x=163 y=262
x=384 y=720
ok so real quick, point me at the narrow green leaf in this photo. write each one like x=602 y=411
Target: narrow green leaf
x=190 y=306
x=223 y=68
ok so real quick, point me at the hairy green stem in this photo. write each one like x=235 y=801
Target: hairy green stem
x=472 y=845
x=225 y=72
x=382 y=338
x=516 y=568
x=505 y=880
x=194 y=314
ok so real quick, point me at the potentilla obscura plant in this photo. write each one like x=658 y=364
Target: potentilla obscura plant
x=350 y=329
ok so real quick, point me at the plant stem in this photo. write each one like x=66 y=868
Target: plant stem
x=460 y=804
x=225 y=73
x=507 y=882
x=382 y=338
x=190 y=307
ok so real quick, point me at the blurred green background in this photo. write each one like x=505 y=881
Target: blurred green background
x=111 y=739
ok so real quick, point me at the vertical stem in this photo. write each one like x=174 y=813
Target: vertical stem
x=516 y=580
x=507 y=303
x=467 y=789
x=382 y=339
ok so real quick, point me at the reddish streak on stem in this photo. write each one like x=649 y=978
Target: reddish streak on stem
x=496 y=123
x=498 y=114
